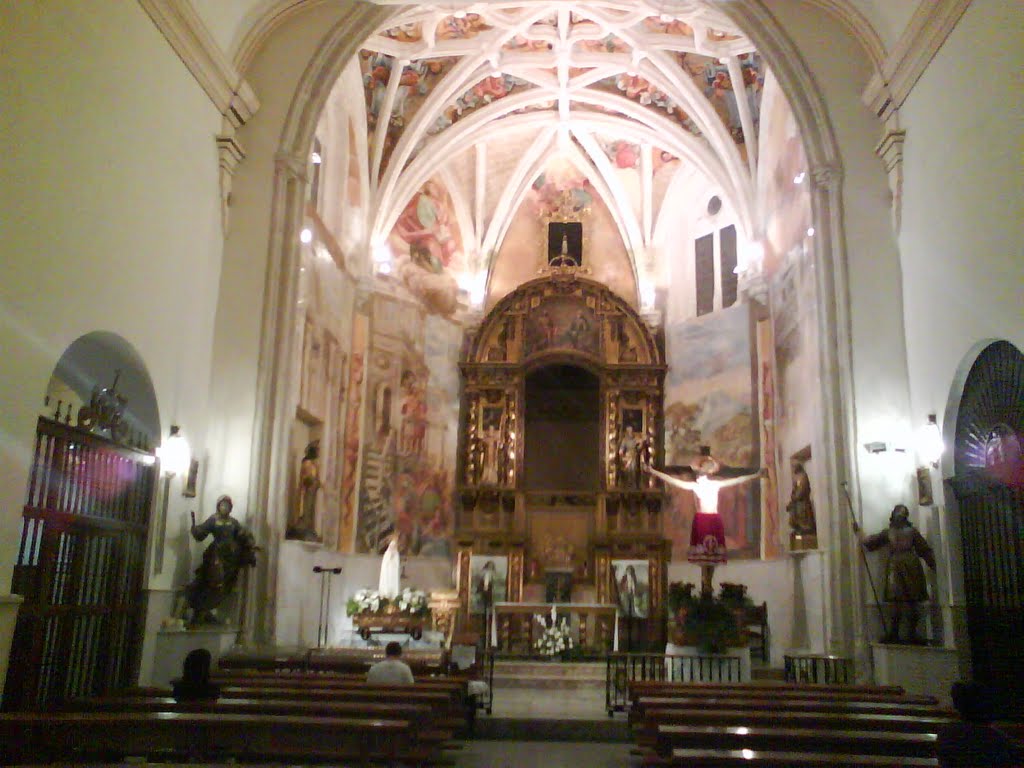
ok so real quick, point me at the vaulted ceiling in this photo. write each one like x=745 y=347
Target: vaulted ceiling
x=629 y=104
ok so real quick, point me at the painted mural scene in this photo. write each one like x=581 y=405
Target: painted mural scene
x=568 y=398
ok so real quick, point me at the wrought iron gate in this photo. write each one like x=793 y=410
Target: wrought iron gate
x=80 y=568
x=989 y=488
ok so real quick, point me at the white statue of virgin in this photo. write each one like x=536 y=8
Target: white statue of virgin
x=391 y=571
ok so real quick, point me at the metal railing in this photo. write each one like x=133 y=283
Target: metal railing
x=819 y=668
x=625 y=668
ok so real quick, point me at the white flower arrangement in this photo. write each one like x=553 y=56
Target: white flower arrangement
x=409 y=601
x=412 y=601
x=365 y=601
x=557 y=635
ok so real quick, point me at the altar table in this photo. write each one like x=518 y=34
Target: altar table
x=513 y=626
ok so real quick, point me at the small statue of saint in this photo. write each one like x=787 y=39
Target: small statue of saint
x=302 y=525
x=804 y=534
x=905 y=584
x=491 y=455
x=630 y=447
x=232 y=549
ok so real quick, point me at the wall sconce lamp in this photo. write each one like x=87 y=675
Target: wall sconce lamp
x=175 y=457
x=174 y=454
x=929 y=442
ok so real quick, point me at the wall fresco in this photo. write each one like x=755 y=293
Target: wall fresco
x=410 y=424
x=427 y=247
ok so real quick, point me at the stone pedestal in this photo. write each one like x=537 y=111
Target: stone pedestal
x=920 y=669
x=8 y=617
x=173 y=645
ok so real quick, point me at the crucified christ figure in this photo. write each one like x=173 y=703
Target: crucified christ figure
x=707 y=535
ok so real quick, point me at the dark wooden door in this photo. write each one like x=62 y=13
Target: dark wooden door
x=80 y=568
x=989 y=488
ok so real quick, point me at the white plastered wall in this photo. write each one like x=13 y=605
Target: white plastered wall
x=962 y=235
x=110 y=221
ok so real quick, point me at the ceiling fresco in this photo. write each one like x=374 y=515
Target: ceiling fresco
x=476 y=99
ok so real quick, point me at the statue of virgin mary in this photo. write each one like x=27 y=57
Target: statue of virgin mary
x=391 y=571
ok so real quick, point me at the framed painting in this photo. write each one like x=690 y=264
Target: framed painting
x=488 y=581
x=631 y=587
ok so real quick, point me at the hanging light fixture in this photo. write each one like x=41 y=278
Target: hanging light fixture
x=175 y=454
x=929 y=442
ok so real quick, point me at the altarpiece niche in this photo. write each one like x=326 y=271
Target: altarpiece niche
x=568 y=329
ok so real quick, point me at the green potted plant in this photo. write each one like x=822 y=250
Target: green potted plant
x=708 y=622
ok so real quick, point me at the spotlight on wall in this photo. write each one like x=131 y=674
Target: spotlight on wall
x=174 y=454
x=175 y=457
x=929 y=442
x=306 y=235
x=810 y=231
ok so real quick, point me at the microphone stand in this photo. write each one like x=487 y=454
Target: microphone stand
x=324 y=625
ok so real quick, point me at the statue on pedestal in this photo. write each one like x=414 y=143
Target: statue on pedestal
x=390 y=582
x=232 y=548
x=905 y=584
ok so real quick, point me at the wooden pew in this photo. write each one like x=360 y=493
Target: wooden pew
x=822 y=720
x=745 y=758
x=646 y=703
x=63 y=737
x=426 y=730
x=794 y=690
x=451 y=699
x=686 y=724
x=873 y=742
x=778 y=692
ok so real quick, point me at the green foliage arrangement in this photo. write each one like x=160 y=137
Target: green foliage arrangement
x=708 y=622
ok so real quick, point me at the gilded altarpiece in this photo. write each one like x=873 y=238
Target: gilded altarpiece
x=563 y=319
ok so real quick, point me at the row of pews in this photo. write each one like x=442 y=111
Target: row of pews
x=681 y=725
x=261 y=716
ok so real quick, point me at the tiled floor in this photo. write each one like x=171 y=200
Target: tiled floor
x=579 y=704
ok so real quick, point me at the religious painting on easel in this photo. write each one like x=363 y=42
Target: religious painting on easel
x=631 y=587
x=488 y=581
x=709 y=400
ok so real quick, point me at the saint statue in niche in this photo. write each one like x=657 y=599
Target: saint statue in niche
x=801 y=511
x=302 y=525
x=565 y=244
x=492 y=444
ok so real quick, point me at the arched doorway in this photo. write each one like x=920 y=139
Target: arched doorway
x=988 y=484
x=85 y=524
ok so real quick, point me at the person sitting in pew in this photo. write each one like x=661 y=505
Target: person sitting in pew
x=194 y=684
x=392 y=670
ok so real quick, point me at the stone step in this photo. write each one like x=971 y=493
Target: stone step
x=548 y=674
